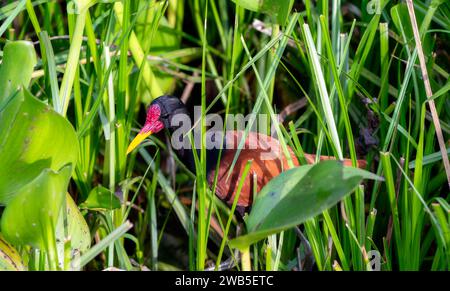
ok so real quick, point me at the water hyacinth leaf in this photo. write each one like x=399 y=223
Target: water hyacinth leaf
x=101 y=198
x=10 y=259
x=72 y=237
x=32 y=214
x=13 y=76
x=298 y=195
x=15 y=73
x=28 y=125
x=78 y=230
x=279 y=8
x=25 y=140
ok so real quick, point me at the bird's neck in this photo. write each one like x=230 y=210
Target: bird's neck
x=186 y=155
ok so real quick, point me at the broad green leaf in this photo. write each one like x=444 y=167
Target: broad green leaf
x=78 y=230
x=36 y=138
x=10 y=259
x=278 y=8
x=32 y=136
x=72 y=236
x=298 y=195
x=31 y=216
x=13 y=76
x=19 y=59
x=101 y=198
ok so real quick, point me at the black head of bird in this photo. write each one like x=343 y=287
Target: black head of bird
x=159 y=115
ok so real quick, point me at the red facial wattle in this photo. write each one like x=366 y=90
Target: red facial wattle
x=152 y=122
x=152 y=125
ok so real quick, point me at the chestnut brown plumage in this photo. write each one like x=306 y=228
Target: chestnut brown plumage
x=268 y=159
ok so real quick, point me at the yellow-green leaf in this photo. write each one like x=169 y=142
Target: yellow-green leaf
x=32 y=136
x=32 y=214
x=298 y=195
x=10 y=259
x=78 y=230
x=101 y=198
x=37 y=138
x=19 y=59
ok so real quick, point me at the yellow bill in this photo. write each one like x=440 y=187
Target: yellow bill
x=137 y=140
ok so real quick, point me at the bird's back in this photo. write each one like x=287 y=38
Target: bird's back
x=268 y=161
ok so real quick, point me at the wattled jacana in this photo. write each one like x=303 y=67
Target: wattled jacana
x=268 y=160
